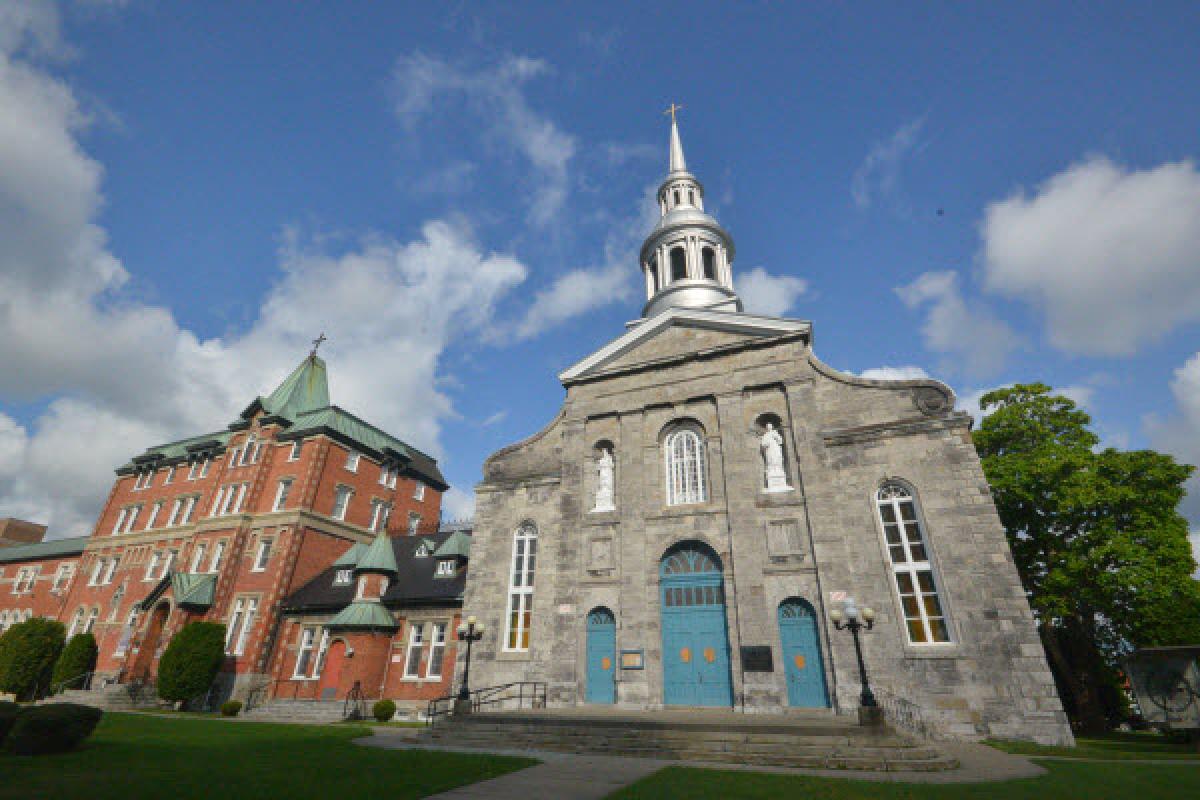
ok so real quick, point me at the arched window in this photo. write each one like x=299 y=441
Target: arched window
x=520 y=594
x=908 y=551
x=710 y=263
x=683 y=450
x=678 y=264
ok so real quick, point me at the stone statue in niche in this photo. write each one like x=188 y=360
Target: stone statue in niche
x=604 y=482
x=771 y=445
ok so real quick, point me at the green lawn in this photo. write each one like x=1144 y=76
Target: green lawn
x=1115 y=746
x=1066 y=781
x=139 y=756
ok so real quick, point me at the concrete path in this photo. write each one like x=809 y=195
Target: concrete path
x=590 y=777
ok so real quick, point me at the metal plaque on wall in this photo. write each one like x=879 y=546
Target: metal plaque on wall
x=757 y=658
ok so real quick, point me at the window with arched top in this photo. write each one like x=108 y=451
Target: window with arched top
x=683 y=453
x=709 y=257
x=520 y=593
x=912 y=569
x=678 y=264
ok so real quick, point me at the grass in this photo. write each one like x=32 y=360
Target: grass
x=1066 y=780
x=1113 y=746
x=133 y=756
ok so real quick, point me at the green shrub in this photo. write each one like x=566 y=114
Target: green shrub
x=383 y=710
x=191 y=661
x=78 y=658
x=8 y=715
x=28 y=651
x=230 y=708
x=53 y=728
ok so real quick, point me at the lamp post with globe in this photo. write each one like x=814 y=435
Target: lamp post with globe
x=848 y=618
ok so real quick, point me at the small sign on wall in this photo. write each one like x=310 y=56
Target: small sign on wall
x=633 y=659
x=837 y=597
x=397 y=658
x=757 y=658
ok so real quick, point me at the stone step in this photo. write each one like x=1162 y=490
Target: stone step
x=315 y=712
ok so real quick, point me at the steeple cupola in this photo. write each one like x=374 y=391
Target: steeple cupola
x=687 y=259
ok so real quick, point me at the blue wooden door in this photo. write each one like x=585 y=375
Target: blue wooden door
x=601 y=656
x=695 y=639
x=803 y=665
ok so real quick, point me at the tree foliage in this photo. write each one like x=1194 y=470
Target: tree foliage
x=190 y=663
x=28 y=651
x=78 y=658
x=1097 y=538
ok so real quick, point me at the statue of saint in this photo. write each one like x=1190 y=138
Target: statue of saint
x=604 y=482
x=771 y=445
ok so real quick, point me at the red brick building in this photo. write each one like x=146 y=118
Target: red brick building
x=229 y=525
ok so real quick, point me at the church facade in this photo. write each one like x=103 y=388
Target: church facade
x=711 y=492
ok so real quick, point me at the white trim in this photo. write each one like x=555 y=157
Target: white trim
x=437 y=644
x=416 y=643
x=263 y=555
x=519 y=602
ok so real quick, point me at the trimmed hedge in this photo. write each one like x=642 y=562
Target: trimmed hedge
x=8 y=716
x=78 y=658
x=54 y=728
x=191 y=661
x=28 y=651
x=230 y=708
x=383 y=710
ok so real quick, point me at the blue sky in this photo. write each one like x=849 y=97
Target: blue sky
x=455 y=193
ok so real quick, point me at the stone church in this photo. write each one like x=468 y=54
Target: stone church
x=711 y=492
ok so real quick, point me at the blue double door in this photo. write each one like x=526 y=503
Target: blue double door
x=695 y=637
x=601 y=657
x=803 y=665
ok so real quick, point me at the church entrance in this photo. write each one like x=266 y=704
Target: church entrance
x=601 y=657
x=695 y=639
x=802 y=654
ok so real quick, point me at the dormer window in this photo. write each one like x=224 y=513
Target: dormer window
x=352 y=460
x=422 y=551
x=343 y=577
x=445 y=568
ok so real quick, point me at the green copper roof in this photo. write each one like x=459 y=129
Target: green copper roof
x=350 y=557
x=456 y=544
x=193 y=590
x=50 y=549
x=306 y=389
x=379 y=557
x=363 y=614
x=179 y=450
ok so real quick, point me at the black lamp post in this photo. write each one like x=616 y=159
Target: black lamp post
x=469 y=631
x=848 y=619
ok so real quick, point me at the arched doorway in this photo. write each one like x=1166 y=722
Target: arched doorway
x=150 y=641
x=331 y=672
x=601 y=656
x=695 y=638
x=803 y=665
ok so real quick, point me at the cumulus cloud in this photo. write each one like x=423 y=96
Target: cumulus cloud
x=968 y=399
x=878 y=177
x=1110 y=255
x=975 y=341
x=458 y=504
x=1179 y=434
x=907 y=373
x=772 y=295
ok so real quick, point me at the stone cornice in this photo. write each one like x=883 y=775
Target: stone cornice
x=898 y=427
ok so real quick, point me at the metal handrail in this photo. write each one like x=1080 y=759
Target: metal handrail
x=533 y=692
x=355 y=706
x=61 y=686
x=903 y=714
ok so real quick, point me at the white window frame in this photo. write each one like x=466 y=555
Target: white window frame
x=296 y=451
x=241 y=498
x=353 y=457
x=262 y=555
x=204 y=465
x=126 y=636
x=240 y=623
x=343 y=576
x=76 y=621
x=154 y=511
x=322 y=651
x=419 y=491
x=176 y=507
x=898 y=541
x=248 y=451
x=281 y=494
x=381 y=512
x=685 y=465
x=445 y=567
x=152 y=565
x=414 y=523
x=97 y=572
x=169 y=562
x=305 y=653
x=189 y=505
x=522 y=571
x=111 y=570
x=132 y=518
x=218 y=499
x=342 y=495
x=120 y=521
x=416 y=642
x=198 y=553
x=193 y=470
x=437 y=647
x=234 y=454
x=92 y=616
x=62 y=577
x=214 y=563
x=170 y=475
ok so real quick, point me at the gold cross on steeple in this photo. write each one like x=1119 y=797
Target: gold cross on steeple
x=317 y=343
x=672 y=111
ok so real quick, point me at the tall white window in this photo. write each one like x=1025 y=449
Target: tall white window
x=520 y=595
x=241 y=498
x=62 y=577
x=416 y=640
x=419 y=491
x=234 y=454
x=193 y=470
x=380 y=512
x=297 y=449
x=240 y=624
x=169 y=562
x=218 y=552
x=908 y=550
x=684 y=455
x=414 y=522
x=264 y=554
x=189 y=505
x=110 y=570
x=97 y=572
x=248 y=451
x=385 y=473
x=322 y=649
x=437 y=649
x=154 y=511
x=445 y=568
x=281 y=494
x=198 y=554
x=91 y=620
x=304 y=656
x=76 y=622
x=352 y=459
x=173 y=517
x=120 y=520
x=341 y=501
x=204 y=466
x=218 y=499
x=170 y=476
x=152 y=565
x=132 y=518
x=126 y=633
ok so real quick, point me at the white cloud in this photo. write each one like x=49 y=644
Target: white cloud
x=764 y=293
x=494 y=419
x=975 y=340
x=496 y=96
x=458 y=504
x=908 y=373
x=878 y=177
x=1110 y=255
x=1179 y=434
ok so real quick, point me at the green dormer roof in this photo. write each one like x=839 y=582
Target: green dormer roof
x=364 y=615
x=306 y=389
x=193 y=590
x=350 y=557
x=379 y=557
x=457 y=544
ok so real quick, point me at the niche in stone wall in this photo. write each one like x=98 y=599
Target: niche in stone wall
x=603 y=468
x=784 y=541
x=773 y=454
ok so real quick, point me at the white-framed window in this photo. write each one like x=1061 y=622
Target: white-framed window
x=234 y=454
x=189 y=505
x=683 y=452
x=198 y=554
x=114 y=605
x=380 y=513
x=144 y=479
x=62 y=577
x=132 y=518
x=91 y=620
x=414 y=522
x=126 y=633
x=352 y=459
x=422 y=551
x=154 y=511
x=385 y=473
x=193 y=470
x=110 y=570
x=97 y=572
x=437 y=650
x=170 y=476
x=419 y=491
x=218 y=553
x=322 y=650
x=241 y=498
x=169 y=562
x=341 y=501
x=218 y=499
x=124 y=512
x=173 y=517
x=416 y=641
x=76 y=622
x=912 y=570
x=297 y=449
x=520 y=593
x=281 y=494
x=343 y=577
x=204 y=465
x=445 y=568
x=304 y=656
x=152 y=565
x=240 y=623
x=263 y=555
x=248 y=451
x=24 y=581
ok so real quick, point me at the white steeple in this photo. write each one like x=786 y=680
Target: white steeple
x=687 y=259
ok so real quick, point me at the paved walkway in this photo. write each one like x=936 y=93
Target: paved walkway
x=590 y=777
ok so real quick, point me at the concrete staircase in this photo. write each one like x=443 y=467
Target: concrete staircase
x=816 y=741
x=114 y=697
x=312 y=712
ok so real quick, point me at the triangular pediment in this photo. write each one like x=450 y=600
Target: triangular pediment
x=680 y=331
